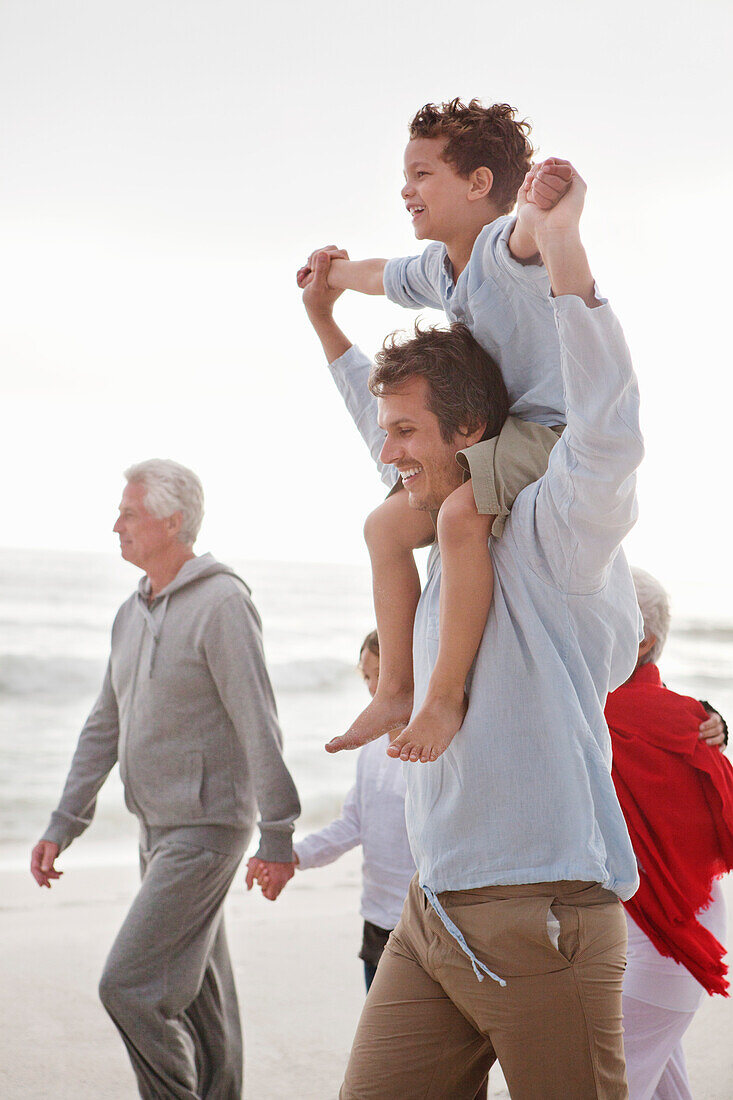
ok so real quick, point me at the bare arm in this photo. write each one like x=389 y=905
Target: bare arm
x=547 y=183
x=366 y=276
x=549 y=216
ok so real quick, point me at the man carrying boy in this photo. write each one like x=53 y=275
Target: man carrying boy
x=512 y=940
x=464 y=164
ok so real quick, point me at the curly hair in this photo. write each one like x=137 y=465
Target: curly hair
x=466 y=388
x=480 y=137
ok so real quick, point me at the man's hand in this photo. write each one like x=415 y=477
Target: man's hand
x=43 y=857
x=318 y=297
x=269 y=875
x=306 y=273
x=712 y=731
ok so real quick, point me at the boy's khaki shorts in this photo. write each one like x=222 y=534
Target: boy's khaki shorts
x=502 y=466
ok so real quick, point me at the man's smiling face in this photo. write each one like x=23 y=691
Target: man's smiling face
x=425 y=461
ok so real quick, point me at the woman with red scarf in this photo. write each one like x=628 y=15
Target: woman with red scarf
x=676 y=792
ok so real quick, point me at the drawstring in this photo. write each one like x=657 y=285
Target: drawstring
x=153 y=628
x=457 y=935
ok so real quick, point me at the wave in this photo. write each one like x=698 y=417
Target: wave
x=67 y=677
x=703 y=630
x=309 y=675
x=56 y=677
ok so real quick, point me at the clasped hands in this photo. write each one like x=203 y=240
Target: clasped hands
x=271 y=877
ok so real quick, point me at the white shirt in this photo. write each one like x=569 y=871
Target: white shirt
x=373 y=816
x=524 y=793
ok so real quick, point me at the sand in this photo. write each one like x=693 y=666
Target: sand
x=299 y=980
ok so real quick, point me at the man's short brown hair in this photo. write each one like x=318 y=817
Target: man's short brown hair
x=466 y=388
x=480 y=137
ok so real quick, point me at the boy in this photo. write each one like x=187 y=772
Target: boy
x=464 y=164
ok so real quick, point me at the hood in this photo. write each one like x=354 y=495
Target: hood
x=190 y=572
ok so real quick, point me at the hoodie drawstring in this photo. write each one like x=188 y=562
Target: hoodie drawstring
x=153 y=628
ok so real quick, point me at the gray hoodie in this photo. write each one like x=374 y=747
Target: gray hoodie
x=187 y=709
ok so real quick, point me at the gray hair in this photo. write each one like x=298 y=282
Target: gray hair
x=170 y=487
x=654 y=604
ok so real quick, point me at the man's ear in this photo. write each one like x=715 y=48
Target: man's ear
x=473 y=435
x=481 y=181
x=174 y=523
x=650 y=640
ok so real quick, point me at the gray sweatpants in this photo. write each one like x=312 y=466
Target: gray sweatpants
x=168 y=983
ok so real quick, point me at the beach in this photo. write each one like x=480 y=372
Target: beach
x=299 y=980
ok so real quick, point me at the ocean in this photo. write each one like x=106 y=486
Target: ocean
x=56 y=610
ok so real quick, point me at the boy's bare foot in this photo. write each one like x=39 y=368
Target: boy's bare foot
x=384 y=714
x=431 y=731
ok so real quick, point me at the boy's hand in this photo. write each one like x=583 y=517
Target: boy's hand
x=271 y=877
x=307 y=271
x=550 y=200
x=553 y=224
x=546 y=183
x=544 y=186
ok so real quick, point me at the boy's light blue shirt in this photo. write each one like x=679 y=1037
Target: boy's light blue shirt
x=524 y=794
x=505 y=305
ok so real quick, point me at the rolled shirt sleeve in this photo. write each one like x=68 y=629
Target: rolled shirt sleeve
x=93 y=760
x=235 y=655
x=414 y=281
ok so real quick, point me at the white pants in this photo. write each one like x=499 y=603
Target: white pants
x=659 y=1003
x=655 y=1064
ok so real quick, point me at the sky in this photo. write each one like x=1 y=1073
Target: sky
x=169 y=164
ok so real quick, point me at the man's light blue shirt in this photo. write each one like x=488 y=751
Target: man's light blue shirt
x=505 y=305
x=524 y=793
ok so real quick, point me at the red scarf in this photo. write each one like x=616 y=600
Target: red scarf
x=676 y=794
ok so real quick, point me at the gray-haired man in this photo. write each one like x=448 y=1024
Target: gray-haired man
x=187 y=709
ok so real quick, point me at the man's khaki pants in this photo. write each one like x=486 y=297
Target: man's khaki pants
x=430 y=1030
